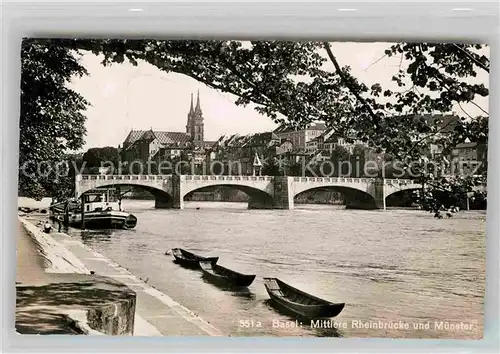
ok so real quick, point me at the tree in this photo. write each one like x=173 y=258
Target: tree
x=340 y=158
x=51 y=121
x=300 y=82
x=272 y=168
x=95 y=158
x=358 y=160
x=64 y=185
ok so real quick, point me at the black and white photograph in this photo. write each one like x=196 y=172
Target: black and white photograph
x=240 y=188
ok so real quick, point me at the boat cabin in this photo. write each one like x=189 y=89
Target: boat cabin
x=100 y=200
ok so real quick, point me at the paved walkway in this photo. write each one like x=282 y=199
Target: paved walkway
x=156 y=313
x=30 y=264
x=30 y=271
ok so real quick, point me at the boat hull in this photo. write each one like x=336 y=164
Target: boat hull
x=304 y=311
x=295 y=302
x=190 y=260
x=229 y=279
x=105 y=220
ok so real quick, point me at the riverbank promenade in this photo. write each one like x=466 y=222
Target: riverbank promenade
x=51 y=302
x=30 y=272
x=156 y=314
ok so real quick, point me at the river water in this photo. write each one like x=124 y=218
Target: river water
x=392 y=268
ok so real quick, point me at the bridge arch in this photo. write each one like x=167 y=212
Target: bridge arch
x=256 y=197
x=158 y=186
x=357 y=192
x=154 y=191
x=401 y=198
x=258 y=189
x=351 y=197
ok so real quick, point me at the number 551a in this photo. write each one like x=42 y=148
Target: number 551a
x=250 y=323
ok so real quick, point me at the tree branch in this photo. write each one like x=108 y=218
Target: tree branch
x=347 y=83
x=478 y=106
x=471 y=57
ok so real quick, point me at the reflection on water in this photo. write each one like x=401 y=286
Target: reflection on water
x=244 y=294
x=234 y=290
x=397 y=265
x=92 y=236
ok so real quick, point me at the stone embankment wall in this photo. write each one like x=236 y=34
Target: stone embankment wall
x=57 y=259
x=91 y=304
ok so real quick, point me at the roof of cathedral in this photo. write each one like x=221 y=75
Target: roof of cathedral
x=133 y=136
x=172 y=137
x=164 y=138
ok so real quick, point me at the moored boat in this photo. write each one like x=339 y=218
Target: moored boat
x=224 y=276
x=293 y=300
x=189 y=259
x=104 y=219
x=101 y=210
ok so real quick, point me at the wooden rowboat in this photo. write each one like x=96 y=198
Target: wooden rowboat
x=292 y=300
x=224 y=276
x=190 y=260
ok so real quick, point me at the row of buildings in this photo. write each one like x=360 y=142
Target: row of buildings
x=316 y=142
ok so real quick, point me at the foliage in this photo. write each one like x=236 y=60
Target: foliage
x=96 y=157
x=51 y=121
x=300 y=82
x=64 y=185
x=271 y=167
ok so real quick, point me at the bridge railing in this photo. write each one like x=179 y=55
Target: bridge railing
x=227 y=178
x=331 y=179
x=241 y=178
x=126 y=177
x=399 y=182
x=350 y=180
x=168 y=177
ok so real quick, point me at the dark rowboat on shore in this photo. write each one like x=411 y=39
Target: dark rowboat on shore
x=190 y=260
x=292 y=300
x=224 y=276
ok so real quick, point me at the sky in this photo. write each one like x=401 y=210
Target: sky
x=125 y=97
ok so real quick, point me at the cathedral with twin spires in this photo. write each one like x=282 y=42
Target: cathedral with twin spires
x=151 y=144
x=194 y=126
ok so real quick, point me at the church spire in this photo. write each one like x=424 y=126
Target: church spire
x=198 y=107
x=191 y=110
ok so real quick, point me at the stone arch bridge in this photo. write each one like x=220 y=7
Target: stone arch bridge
x=265 y=192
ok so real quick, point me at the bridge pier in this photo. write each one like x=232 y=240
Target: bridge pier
x=282 y=196
x=283 y=193
x=175 y=200
x=168 y=203
x=379 y=193
x=374 y=199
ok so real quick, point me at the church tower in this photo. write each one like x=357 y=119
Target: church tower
x=195 y=124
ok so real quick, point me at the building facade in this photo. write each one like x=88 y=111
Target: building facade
x=469 y=158
x=153 y=145
x=300 y=137
x=237 y=152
